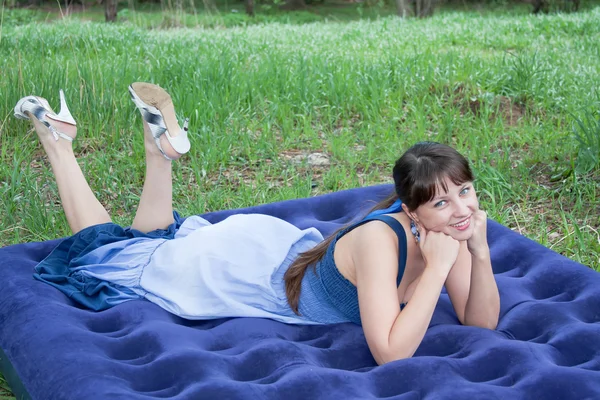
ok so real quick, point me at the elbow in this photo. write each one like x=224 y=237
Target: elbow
x=486 y=323
x=390 y=355
x=483 y=318
x=388 y=359
x=491 y=326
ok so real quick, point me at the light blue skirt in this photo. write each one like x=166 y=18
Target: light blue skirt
x=96 y=247
x=194 y=269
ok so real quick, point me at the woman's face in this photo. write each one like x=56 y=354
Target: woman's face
x=450 y=212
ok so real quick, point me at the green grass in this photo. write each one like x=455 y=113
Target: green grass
x=506 y=90
x=5 y=393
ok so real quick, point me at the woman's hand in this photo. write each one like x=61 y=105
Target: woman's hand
x=477 y=243
x=439 y=250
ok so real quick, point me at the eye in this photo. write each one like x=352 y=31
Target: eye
x=465 y=190
x=440 y=203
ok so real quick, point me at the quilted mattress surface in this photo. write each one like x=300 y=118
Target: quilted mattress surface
x=546 y=346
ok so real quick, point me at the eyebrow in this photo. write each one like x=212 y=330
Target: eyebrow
x=436 y=198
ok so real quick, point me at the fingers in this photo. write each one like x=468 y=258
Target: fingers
x=481 y=216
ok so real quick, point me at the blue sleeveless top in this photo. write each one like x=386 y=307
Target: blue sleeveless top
x=328 y=285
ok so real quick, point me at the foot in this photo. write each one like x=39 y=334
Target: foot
x=47 y=139
x=49 y=126
x=161 y=129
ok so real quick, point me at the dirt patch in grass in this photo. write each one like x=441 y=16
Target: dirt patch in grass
x=89 y=146
x=510 y=112
x=472 y=100
x=555 y=188
x=303 y=162
x=316 y=160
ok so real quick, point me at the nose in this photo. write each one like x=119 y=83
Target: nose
x=462 y=208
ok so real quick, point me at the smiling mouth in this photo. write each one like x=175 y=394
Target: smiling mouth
x=462 y=225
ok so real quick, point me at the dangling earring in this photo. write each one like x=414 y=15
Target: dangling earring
x=415 y=231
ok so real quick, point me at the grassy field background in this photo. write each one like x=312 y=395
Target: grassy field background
x=282 y=110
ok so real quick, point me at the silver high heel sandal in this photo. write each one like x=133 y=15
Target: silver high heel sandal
x=157 y=110
x=40 y=109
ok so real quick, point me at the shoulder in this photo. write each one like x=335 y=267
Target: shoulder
x=374 y=242
x=372 y=228
x=377 y=230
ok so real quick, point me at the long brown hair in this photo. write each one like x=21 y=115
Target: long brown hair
x=417 y=176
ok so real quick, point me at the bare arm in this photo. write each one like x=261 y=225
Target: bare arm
x=483 y=305
x=471 y=284
x=391 y=334
x=411 y=324
x=458 y=283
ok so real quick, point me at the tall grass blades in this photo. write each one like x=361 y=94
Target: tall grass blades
x=283 y=110
x=266 y=101
x=587 y=133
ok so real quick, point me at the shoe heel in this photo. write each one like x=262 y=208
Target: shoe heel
x=64 y=115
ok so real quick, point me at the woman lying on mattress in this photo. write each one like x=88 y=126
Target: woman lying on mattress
x=385 y=272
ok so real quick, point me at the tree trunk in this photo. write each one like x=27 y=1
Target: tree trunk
x=401 y=8
x=427 y=8
x=294 y=5
x=110 y=10
x=250 y=7
x=423 y=8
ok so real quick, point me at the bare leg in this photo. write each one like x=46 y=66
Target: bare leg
x=81 y=206
x=155 y=210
